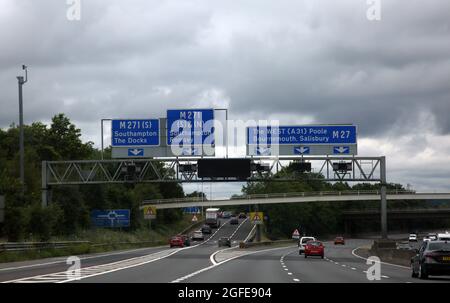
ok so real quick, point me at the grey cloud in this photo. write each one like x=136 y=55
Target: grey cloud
x=316 y=59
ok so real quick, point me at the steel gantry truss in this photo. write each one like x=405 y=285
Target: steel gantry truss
x=180 y=170
x=171 y=170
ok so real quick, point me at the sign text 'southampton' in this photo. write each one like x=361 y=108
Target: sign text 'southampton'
x=135 y=132
x=310 y=135
x=190 y=126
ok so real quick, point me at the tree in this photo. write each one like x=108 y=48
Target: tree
x=64 y=137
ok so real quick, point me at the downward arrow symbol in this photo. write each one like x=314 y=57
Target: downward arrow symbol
x=341 y=149
x=262 y=150
x=136 y=151
x=302 y=150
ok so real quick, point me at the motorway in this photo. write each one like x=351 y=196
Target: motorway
x=206 y=262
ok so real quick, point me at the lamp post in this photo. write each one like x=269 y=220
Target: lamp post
x=21 y=82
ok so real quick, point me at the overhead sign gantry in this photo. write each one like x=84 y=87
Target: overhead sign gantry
x=184 y=132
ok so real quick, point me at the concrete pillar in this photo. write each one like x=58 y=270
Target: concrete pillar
x=384 y=227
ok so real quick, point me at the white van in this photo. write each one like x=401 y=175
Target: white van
x=443 y=237
x=302 y=243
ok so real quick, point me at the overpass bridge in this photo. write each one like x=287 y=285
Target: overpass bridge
x=302 y=197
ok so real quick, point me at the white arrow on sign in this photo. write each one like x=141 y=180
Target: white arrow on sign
x=263 y=150
x=136 y=151
x=302 y=149
x=341 y=149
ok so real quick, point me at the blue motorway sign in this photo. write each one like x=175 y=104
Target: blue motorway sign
x=191 y=210
x=190 y=126
x=135 y=132
x=111 y=218
x=305 y=135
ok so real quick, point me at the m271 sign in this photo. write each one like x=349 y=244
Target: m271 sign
x=190 y=126
x=136 y=132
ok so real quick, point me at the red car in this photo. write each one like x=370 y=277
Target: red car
x=314 y=248
x=176 y=241
x=339 y=240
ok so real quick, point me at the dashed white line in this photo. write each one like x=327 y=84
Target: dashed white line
x=225 y=261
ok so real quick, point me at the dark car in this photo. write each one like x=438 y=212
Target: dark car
x=339 y=240
x=234 y=220
x=432 y=259
x=226 y=214
x=187 y=240
x=206 y=229
x=242 y=216
x=224 y=241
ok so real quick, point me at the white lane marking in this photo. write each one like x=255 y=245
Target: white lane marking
x=109 y=254
x=343 y=265
x=285 y=268
x=225 y=261
x=81 y=258
x=109 y=267
x=353 y=268
x=358 y=256
x=386 y=277
x=249 y=234
x=232 y=235
x=212 y=257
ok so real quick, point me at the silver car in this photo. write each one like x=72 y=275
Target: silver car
x=198 y=236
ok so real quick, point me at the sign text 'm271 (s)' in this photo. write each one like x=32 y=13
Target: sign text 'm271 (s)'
x=135 y=132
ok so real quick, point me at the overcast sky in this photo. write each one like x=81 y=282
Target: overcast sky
x=304 y=61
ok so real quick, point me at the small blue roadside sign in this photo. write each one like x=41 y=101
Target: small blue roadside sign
x=190 y=126
x=191 y=210
x=136 y=132
x=111 y=218
x=308 y=135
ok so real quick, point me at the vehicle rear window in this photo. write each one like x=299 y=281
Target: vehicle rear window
x=306 y=240
x=315 y=243
x=439 y=246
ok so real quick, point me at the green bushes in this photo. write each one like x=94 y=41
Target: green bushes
x=31 y=222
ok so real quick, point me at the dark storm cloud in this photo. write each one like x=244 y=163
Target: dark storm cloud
x=318 y=60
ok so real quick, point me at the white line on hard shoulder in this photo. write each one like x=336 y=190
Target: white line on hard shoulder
x=212 y=257
x=81 y=258
x=358 y=256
